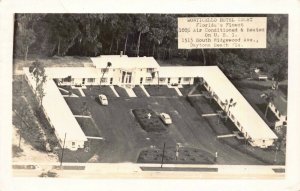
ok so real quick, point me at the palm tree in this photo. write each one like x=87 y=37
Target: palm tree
x=269 y=97
x=107 y=65
x=228 y=104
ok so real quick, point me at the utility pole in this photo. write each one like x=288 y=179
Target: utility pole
x=275 y=158
x=163 y=154
x=62 y=152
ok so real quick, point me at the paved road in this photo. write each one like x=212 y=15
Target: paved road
x=124 y=138
x=130 y=170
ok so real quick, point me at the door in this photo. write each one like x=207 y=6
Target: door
x=128 y=78
x=169 y=79
x=111 y=80
x=123 y=76
x=83 y=81
x=179 y=80
x=141 y=80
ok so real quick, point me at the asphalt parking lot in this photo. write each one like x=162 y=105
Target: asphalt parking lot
x=125 y=139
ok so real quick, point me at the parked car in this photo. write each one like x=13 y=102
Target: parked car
x=166 y=118
x=103 y=99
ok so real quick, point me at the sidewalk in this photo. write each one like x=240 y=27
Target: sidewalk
x=133 y=170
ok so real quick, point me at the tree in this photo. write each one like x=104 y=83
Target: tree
x=228 y=104
x=142 y=26
x=38 y=70
x=25 y=35
x=269 y=97
x=105 y=70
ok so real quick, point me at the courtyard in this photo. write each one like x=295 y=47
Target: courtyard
x=124 y=139
x=115 y=135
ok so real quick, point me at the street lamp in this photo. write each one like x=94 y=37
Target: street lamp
x=275 y=157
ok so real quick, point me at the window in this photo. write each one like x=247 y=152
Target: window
x=232 y=117
x=150 y=69
x=162 y=79
x=104 y=70
x=238 y=123
x=216 y=97
x=73 y=143
x=186 y=79
x=91 y=80
x=104 y=80
x=67 y=79
x=148 y=79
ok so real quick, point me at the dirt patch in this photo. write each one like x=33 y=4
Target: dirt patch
x=29 y=120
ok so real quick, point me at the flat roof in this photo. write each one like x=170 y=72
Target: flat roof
x=59 y=112
x=75 y=72
x=222 y=86
x=249 y=119
x=124 y=61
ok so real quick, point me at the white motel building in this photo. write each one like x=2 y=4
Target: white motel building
x=128 y=72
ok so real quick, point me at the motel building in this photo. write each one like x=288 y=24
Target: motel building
x=128 y=72
x=279 y=107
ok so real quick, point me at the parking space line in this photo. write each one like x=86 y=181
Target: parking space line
x=145 y=91
x=113 y=89
x=82 y=116
x=225 y=136
x=130 y=92
x=81 y=92
x=98 y=138
x=178 y=91
x=209 y=114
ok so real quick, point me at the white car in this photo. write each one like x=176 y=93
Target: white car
x=103 y=99
x=166 y=118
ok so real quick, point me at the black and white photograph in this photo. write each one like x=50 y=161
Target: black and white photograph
x=149 y=96
x=92 y=92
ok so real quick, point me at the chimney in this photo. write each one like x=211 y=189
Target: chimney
x=121 y=53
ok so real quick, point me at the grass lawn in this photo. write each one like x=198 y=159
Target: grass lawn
x=81 y=155
x=35 y=128
x=271 y=118
x=55 y=61
x=186 y=155
x=154 y=124
x=161 y=90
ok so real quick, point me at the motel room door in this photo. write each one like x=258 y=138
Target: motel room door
x=126 y=77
